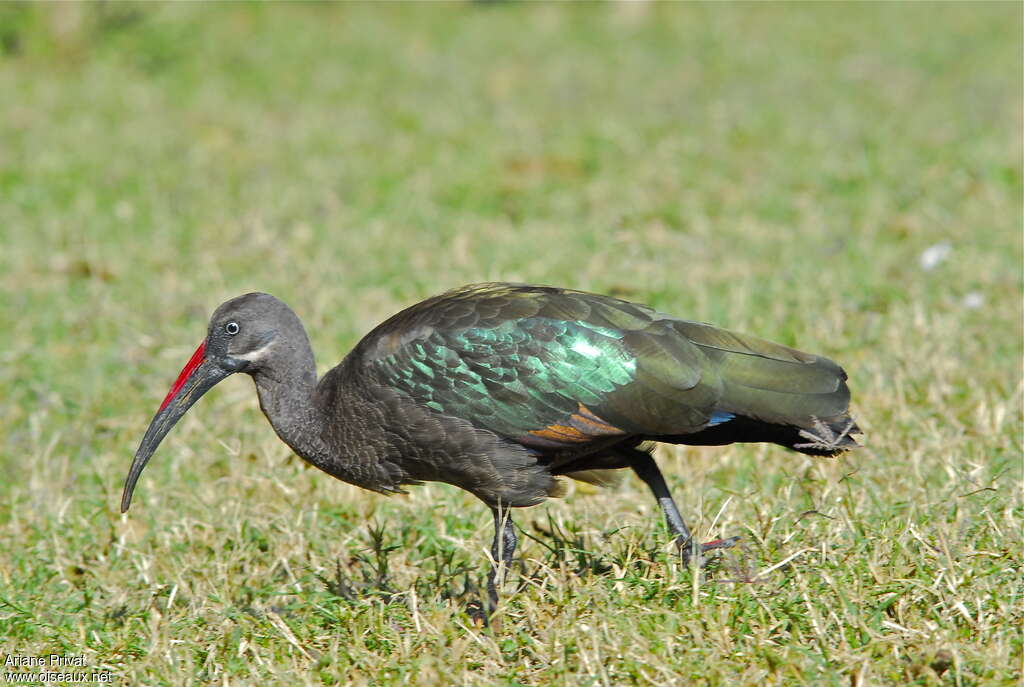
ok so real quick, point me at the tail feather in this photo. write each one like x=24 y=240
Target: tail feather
x=774 y=394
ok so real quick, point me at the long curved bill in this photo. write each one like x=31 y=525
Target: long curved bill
x=196 y=378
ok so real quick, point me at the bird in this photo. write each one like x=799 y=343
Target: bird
x=504 y=389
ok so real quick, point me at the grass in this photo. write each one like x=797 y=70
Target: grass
x=774 y=169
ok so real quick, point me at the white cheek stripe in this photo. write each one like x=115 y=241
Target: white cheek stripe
x=253 y=356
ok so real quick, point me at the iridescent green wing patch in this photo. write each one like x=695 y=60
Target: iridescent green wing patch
x=535 y=379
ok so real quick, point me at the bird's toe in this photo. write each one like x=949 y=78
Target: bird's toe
x=687 y=549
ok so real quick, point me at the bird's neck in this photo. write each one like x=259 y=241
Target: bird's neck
x=286 y=398
x=321 y=423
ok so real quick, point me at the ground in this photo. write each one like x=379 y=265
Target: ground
x=841 y=178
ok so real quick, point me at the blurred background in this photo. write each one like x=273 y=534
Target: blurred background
x=842 y=178
x=749 y=165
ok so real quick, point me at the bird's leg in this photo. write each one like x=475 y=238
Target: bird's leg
x=502 y=549
x=646 y=469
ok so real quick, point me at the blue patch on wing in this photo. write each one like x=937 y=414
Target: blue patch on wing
x=720 y=417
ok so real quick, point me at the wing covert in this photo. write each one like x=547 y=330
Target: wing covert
x=545 y=367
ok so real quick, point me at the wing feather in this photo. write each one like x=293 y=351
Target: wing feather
x=523 y=361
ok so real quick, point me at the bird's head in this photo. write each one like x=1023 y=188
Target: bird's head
x=243 y=335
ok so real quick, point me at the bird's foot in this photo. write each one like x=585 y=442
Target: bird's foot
x=829 y=439
x=687 y=548
x=484 y=614
x=482 y=609
x=479 y=613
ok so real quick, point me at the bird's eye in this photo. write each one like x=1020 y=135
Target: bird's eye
x=231 y=328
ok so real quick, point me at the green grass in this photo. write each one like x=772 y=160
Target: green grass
x=774 y=169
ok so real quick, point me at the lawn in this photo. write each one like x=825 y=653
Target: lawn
x=841 y=178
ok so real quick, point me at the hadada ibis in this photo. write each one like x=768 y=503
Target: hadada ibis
x=500 y=389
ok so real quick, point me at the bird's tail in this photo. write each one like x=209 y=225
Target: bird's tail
x=774 y=393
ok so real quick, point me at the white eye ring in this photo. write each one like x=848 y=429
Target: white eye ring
x=231 y=328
